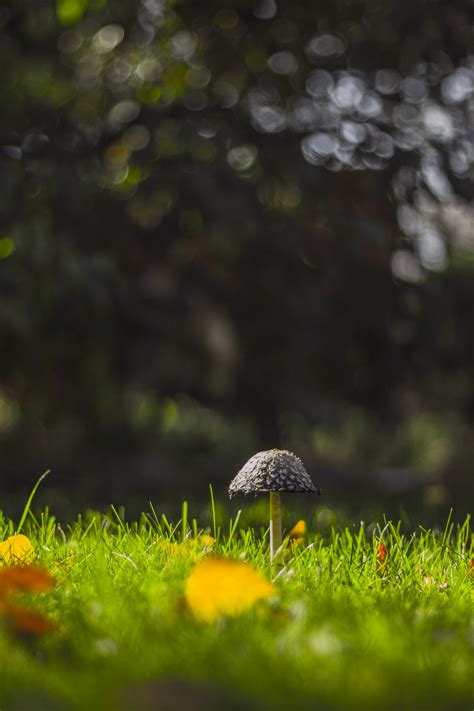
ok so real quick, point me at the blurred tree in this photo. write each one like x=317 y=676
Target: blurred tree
x=262 y=206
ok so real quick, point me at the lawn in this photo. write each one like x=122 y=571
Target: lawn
x=358 y=618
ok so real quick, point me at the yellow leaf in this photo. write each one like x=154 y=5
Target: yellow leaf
x=222 y=586
x=16 y=549
x=295 y=537
x=298 y=530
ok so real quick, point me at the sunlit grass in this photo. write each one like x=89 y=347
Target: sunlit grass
x=348 y=628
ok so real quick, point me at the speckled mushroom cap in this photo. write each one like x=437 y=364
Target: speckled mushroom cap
x=273 y=470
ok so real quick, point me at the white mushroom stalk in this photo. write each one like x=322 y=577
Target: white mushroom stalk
x=275 y=524
x=272 y=472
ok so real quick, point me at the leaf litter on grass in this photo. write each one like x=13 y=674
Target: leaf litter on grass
x=343 y=618
x=16 y=579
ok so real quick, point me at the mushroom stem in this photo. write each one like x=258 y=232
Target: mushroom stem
x=275 y=523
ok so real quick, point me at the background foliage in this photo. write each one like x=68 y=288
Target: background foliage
x=228 y=226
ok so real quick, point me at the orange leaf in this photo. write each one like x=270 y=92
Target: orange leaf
x=25 y=621
x=382 y=554
x=223 y=586
x=16 y=549
x=29 y=578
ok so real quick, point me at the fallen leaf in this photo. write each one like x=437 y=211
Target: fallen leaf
x=16 y=549
x=382 y=554
x=297 y=534
x=223 y=586
x=298 y=530
x=21 y=619
x=28 y=578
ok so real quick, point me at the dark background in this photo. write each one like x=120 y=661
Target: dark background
x=228 y=226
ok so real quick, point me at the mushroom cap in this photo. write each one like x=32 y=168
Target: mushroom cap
x=272 y=470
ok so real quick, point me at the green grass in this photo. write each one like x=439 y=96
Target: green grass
x=339 y=636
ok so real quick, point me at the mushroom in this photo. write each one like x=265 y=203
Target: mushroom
x=273 y=471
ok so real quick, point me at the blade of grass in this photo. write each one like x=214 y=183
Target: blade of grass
x=26 y=510
x=213 y=511
x=184 y=521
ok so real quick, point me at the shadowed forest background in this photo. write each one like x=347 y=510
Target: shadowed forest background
x=228 y=226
